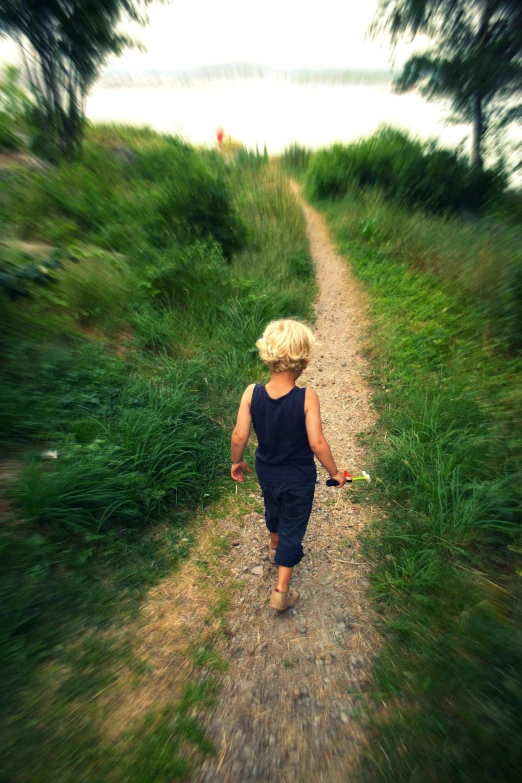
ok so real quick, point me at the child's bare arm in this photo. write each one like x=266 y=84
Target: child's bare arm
x=316 y=439
x=240 y=435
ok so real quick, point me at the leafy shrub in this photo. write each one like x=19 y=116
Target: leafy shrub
x=413 y=174
x=165 y=195
x=193 y=202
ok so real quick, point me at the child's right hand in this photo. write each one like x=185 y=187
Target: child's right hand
x=237 y=469
x=340 y=478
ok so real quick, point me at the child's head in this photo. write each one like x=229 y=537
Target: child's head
x=286 y=345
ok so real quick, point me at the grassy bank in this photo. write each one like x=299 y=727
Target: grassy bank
x=447 y=376
x=136 y=281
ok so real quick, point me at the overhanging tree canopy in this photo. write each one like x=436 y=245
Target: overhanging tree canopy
x=475 y=60
x=64 y=45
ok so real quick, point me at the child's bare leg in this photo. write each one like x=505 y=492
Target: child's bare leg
x=274 y=540
x=284 y=575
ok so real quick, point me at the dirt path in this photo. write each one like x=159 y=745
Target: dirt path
x=295 y=680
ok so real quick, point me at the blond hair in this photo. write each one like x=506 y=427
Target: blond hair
x=286 y=345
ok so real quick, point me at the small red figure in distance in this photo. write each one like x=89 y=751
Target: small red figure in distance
x=220 y=135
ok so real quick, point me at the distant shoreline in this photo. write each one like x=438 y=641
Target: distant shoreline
x=241 y=72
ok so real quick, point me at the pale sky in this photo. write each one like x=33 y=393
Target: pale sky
x=280 y=33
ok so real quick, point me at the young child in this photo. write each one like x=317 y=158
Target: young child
x=287 y=423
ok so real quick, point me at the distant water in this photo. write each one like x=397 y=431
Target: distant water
x=272 y=112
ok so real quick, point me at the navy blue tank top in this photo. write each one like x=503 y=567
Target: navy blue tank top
x=283 y=453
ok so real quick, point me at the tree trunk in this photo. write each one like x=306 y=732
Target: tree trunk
x=478 y=128
x=477 y=133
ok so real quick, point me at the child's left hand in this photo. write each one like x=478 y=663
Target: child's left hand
x=237 y=469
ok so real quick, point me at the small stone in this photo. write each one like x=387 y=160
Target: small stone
x=343 y=364
x=251 y=650
x=257 y=571
x=345 y=718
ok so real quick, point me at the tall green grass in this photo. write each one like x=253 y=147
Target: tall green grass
x=296 y=158
x=130 y=367
x=480 y=260
x=447 y=685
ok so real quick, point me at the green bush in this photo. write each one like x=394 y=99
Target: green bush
x=413 y=174
x=193 y=201
x=160 y=196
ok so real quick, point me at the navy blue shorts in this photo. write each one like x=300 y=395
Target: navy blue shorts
x=287 y=511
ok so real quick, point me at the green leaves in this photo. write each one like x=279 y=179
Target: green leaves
x=66 y=43
x=475 y=58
